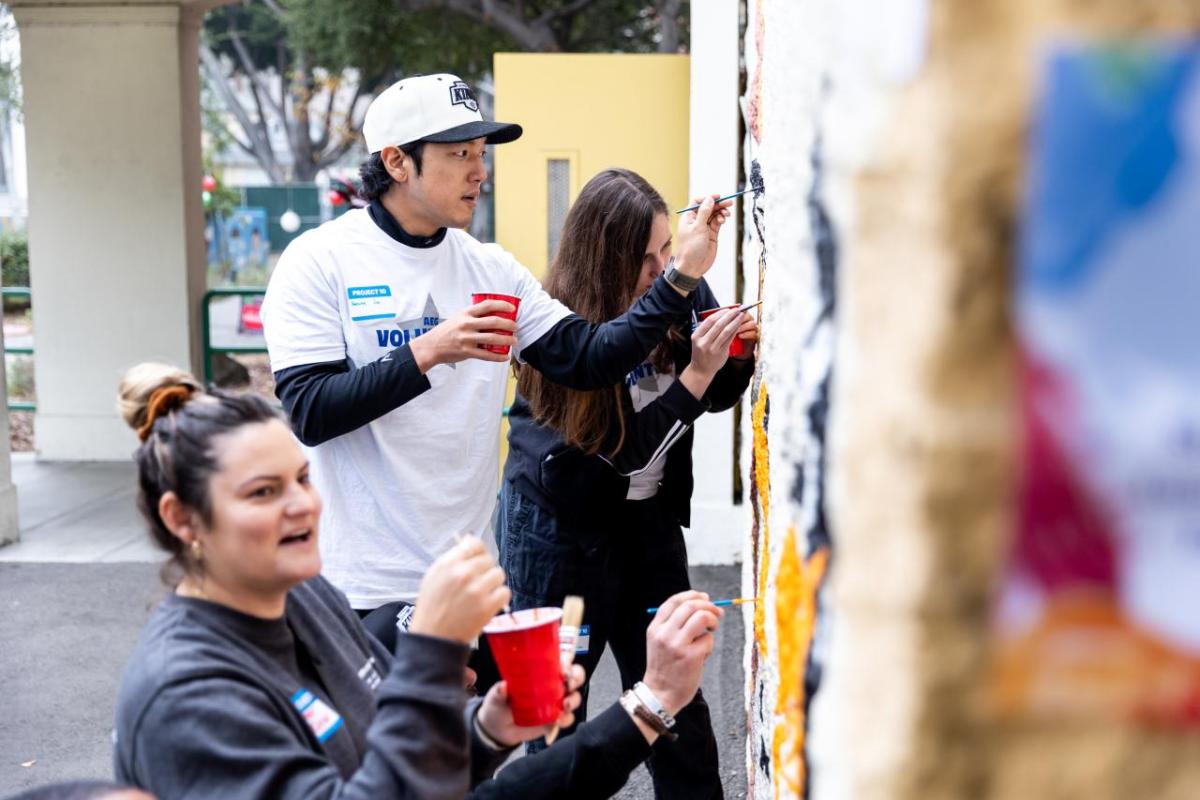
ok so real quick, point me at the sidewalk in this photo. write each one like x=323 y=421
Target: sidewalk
x=77 y=588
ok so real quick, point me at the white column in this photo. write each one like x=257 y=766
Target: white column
x=115 y=223
x=718 y=526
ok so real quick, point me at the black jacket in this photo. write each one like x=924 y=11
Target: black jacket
x=575 y=486
x=208 y=709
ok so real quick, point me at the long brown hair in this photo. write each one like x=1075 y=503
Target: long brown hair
x=595 y=273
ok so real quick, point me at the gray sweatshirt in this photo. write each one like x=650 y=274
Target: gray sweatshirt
x=218 y=704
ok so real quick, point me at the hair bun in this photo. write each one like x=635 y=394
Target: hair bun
x=149 y=391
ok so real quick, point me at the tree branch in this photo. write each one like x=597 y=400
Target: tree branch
x=331 y=86
x=565 y=11
x=668 y=25
x=260 y=145
x=501 y=16
x=250 y=69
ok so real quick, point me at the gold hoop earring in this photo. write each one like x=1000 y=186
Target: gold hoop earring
x=197 y=551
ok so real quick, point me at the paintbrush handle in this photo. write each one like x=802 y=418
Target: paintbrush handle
x=733 y=601
x=721 y=199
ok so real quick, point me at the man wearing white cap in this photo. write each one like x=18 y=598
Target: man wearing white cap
x=376 y=344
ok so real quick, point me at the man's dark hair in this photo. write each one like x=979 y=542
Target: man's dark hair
x=75 y=790
x=374 y=175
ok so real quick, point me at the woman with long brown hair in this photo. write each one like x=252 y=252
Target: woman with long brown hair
x=598 y=483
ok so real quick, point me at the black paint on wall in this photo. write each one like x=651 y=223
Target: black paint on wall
x=824 y=241
x=818 y=420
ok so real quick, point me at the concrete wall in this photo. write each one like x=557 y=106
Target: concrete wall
x=116 y=229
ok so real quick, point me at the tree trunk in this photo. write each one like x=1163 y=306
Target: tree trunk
x=668 y=25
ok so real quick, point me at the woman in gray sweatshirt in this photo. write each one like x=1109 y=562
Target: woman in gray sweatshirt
x=255 y=679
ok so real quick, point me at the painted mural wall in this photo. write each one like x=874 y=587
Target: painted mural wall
x=816 y=85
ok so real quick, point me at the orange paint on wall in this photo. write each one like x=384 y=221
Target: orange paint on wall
x=796 y=585
x=762 y=485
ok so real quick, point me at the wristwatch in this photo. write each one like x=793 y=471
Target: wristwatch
x=638 y=710
x=684 y=283
x=653 y=703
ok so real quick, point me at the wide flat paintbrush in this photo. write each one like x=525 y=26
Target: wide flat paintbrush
x=568 y=637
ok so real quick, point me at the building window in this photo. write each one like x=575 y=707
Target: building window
x=558 y=198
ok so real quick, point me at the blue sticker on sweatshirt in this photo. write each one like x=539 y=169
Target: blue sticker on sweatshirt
x=322 y=720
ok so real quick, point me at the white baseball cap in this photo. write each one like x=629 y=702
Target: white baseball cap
x=430 y=108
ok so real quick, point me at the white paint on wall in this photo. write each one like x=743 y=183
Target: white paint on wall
x=830 y=69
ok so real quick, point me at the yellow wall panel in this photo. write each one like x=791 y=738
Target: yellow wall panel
x=595 y=110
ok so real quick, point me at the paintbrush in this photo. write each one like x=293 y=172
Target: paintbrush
x=741 y=309
x=723 y=199
x=458 y=537
x=568 y=636
x=735 y=601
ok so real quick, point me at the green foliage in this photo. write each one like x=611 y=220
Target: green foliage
x=10 y=67
x=14 y=258
x=383 y=45
x=259 y=29
x=19 y=371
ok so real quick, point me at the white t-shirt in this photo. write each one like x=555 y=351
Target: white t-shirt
x=646 y=384
x=396 y=491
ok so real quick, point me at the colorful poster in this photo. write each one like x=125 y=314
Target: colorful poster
x=1098 y=613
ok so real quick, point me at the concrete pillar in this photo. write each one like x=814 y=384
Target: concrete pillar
x=718 y=526
x=112 y=117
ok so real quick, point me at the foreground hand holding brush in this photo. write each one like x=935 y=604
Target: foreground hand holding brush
x=596 y=758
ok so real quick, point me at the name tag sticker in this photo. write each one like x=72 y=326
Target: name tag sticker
x=581 y=643
x=371 y=302
x=322 y=720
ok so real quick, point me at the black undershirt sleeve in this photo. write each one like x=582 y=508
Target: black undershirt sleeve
x=583 y=355
x=330 y=399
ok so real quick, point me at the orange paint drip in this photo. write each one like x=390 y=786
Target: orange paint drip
x=762 y=485
x=796 y=586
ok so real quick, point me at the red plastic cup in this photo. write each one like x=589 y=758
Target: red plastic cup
x=525 y=646
x=479 y=297
x=737 y=347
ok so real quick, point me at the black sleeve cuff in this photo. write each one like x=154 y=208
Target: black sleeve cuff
x=427 y=666
x=485 y=760
x=666 y=294
x=624 y=746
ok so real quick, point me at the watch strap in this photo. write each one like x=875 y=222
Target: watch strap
x=680 y=281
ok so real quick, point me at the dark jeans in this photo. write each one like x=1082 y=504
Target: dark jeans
x=633 y=561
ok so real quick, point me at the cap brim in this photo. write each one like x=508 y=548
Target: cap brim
x=492 y=132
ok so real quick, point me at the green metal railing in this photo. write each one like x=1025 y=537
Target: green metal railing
x=206 y=325
x=18 y=405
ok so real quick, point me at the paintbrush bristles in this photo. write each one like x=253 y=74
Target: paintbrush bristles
x=572 y=618
x=572 y=610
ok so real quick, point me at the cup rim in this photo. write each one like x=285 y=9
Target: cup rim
x=497 y=296
x=545 y=616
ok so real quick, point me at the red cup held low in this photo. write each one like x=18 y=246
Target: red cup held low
x=525 y=646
